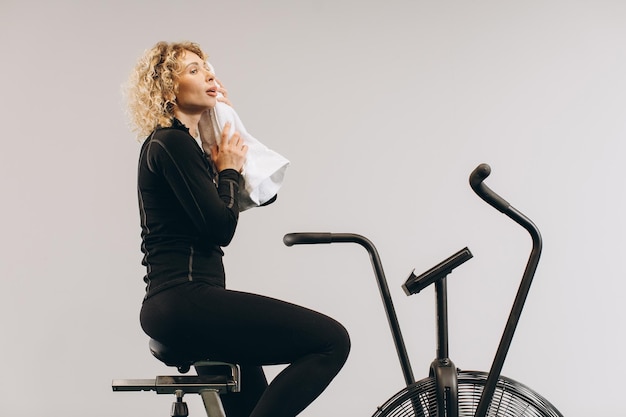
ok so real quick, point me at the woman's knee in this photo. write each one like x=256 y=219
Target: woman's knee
x=339 y=341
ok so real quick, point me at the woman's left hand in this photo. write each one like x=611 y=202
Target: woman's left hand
x=230 y=152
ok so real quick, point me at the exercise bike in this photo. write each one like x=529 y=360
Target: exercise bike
x=448 y=391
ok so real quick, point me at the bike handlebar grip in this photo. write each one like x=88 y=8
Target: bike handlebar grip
x=291 y=239
x=480 y=173
x=476 y=180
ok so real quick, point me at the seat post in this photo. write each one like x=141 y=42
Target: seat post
x=212 y=403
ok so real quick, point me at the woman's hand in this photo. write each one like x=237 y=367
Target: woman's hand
x=231 y=151
x=224 y=93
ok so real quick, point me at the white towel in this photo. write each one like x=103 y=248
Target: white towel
x=264 y=170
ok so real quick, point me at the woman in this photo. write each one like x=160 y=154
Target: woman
x=188 y=201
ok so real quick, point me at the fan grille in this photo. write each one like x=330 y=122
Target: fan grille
x=510 y=399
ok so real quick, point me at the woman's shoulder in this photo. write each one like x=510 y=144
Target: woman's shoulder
x=172 y=138
x=168 y=145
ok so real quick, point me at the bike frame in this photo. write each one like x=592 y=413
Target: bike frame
x=442 y=368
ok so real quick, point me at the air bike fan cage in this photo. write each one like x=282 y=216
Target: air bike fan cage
x=447 y=391
x=510 y=399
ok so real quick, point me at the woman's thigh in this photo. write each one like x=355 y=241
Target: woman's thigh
x=241 y=327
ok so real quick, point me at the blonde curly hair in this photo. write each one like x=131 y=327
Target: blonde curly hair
x=152 y=86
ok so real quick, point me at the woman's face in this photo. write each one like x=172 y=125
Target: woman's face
x=197 y=90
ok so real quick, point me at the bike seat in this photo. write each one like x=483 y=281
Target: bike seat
x=213 y=379
x=179 y=357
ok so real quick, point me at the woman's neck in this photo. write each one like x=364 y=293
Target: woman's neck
x=191 y=121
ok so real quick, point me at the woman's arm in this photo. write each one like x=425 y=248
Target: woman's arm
x=213 y=211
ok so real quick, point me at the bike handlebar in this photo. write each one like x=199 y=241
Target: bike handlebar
x=310 y=238
x=291 y=239
x=477 y=178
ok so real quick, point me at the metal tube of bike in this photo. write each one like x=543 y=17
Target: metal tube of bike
x=315 y=238
x=476 y=180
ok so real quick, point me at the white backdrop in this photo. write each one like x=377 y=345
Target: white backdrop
x=384 y=108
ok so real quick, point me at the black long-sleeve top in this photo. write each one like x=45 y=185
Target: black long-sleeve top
x=187 y=211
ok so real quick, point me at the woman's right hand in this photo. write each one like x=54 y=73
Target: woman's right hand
x=231 y=152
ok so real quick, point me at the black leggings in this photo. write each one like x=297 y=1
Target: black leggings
x=253 y=331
